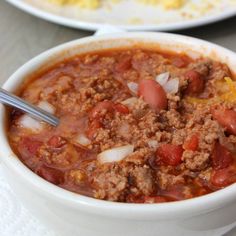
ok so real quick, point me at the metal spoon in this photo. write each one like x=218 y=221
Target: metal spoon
x=36 y=112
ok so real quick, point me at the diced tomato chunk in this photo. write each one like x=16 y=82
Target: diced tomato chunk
x=180 y=62
x=121 y=108
x=221 y=157
x=153 y=94
x=154 y=199
x=191 y=143
x=174 y=193
x=92 y=129
x=123 y=64
x=56 y=142
x=52 y=175
x=96 y=112
x=223 y=177
x=201 y=191
x=170 y=154
x=31 y=145
x=226 y=118
x=195 y=83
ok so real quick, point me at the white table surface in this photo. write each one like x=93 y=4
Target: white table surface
x=23 y=36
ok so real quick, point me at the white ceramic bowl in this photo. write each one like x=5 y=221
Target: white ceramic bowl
x=71 y=214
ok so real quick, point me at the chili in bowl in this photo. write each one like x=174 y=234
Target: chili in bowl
x=141 y=121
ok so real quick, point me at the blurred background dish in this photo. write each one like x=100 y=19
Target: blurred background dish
x=160 y=15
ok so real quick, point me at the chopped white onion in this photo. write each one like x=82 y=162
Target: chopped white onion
x=133 y=87
x=115 y=154
x=162 y=78
x=169 y=85
x=82 y=140
x=172 y=86
x=153 y=144
x=130 y=101
x=46 y=107
x=30 y=123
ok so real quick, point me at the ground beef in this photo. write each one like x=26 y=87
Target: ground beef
x=113 y=182
x=110 y=183
x=196 y=161
x=203 y=67
x=174 y=119
x=173 y=137
x=165 y=180
x=144 y=180
x=219 y=71
x=139 y=157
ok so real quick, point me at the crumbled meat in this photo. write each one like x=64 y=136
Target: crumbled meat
x=218 y=71
x=179 y=136
x=172 y=146
x=173 y=101
x=110 y=182
x=144 y=180
x=58 y=157
x=165 y=180
x=195 y=161
x=203 y=67
x=174 y=119
x=139 y=157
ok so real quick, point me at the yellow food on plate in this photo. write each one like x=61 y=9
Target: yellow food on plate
x=93 y=4
x=165 y=3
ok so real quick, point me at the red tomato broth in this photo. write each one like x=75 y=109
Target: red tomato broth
x=172 y=160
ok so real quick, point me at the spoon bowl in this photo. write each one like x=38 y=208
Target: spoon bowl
x=19 y=103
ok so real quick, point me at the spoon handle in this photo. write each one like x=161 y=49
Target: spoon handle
x=36 y=112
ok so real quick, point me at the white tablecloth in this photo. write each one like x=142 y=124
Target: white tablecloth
x=15 y=220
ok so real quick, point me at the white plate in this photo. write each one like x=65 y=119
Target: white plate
x=130 y=15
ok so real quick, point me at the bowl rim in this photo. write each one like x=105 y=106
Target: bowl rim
x=193 y=206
